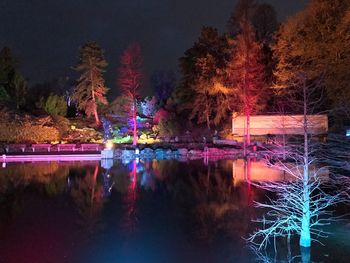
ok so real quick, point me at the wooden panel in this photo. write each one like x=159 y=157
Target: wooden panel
x=280 y=124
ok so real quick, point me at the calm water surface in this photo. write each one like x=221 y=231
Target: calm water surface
x=139 y=211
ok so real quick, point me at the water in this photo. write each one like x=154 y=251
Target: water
x=139 y=211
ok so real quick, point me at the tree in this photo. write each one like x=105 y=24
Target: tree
x=20 y=90
x=201 y=92
x=149 y=106
x=12 y=84
x=246 y=75
x=262 y=16
x=211 y=48
x=55 y=105
x=211 y=101
x=302 y=205
x=164 y=84
x=130 y=75
x=90 y=89
x=316 y=41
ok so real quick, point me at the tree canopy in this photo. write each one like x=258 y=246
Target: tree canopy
x=90 y=89
x=315 y=43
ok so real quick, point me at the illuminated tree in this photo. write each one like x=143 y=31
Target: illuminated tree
x=316 y=41
x=90 y=89
x=202 y=63
x=211 y=102
x=130 y=75
x=301 y=204
x=246 y=74
x=149 y=106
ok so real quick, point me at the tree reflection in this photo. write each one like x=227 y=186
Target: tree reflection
x=49 y=178
x=87 y=194
x=221 y=207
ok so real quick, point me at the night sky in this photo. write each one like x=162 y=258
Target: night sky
x=45 y=34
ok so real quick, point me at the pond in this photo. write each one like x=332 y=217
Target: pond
x=139 y=211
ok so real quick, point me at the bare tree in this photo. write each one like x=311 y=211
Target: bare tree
x=302 y=205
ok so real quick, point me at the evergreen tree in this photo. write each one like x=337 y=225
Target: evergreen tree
x=12 y=84
x=201 y=67
x=130 y=75
x=262 y=16
x=90 y=89
x=246 y=74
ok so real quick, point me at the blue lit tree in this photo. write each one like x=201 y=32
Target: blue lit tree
x=301 y=206
x=107 y=129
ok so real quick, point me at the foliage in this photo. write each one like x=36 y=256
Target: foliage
x=119 y=109
x=315 y=43
x=201 y=67
x=149 y=106
x=12 y=84
x=130 y=75
x=246 y=74
x=163 y=83
x=18 y=129
x=167 y=127
x=55 y=105
x=262 y=16
x=107 y=129
x=211 y=102
x=4 y=97
x=90 y=89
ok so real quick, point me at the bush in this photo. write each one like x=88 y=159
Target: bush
x=16 y=128
x=53 y=104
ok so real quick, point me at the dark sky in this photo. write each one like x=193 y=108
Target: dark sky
x=45 y=34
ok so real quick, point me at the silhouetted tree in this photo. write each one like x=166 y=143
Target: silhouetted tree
x=13 y=86
x=163 y=83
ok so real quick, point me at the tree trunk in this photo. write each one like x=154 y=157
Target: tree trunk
x=97 y=119
x=248 y=128
x=134 y=141
x=208 y=121
x=305 y=236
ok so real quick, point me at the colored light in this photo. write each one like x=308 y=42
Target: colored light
x=109 y=145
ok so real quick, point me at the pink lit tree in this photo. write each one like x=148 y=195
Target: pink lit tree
x=246 y=74
x=130 y=75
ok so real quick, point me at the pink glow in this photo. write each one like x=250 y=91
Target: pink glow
x=46 y=158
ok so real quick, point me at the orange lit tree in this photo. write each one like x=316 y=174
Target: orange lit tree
x=246 y=74
x=130 y=75
x=90 y=89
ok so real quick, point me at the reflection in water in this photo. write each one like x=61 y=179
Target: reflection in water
x=177 y=210
x=87 y=194
x=129 y=218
